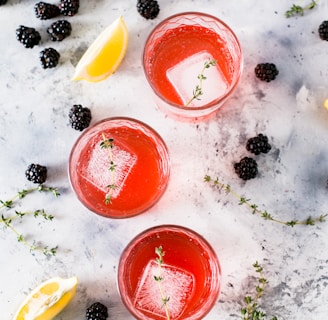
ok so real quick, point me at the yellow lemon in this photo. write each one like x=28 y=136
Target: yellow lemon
x=105 y=54
x=48 y=299
x=325 y=103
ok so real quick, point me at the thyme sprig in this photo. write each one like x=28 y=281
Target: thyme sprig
x=263 y=213
x=8 y=220
x=159 y=278
x=108 y=143
x=198 y=91
x=251 y=310
x=299 y=10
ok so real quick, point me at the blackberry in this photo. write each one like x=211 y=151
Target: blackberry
x=266 y=71
x=2 y=2
x=49 y=58
x=59 y=30
x=148 y=9
x=69 y=7
x=36 y=173
x=79 y=117
x=97 y=311
x=323 y=30
x=45 y=11
x=258 y=144
x=246 y=169
x=29 y=37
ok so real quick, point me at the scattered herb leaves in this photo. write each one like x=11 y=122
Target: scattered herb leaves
x=251 y=310
x=8 y=220
x=299 y=10
x=310 y=221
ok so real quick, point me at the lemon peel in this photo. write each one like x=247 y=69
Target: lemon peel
x=105 y=54
x=48 y=299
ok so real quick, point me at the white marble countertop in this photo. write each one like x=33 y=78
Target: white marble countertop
x=292 y=180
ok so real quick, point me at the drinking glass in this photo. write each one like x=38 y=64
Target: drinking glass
x=193 y=62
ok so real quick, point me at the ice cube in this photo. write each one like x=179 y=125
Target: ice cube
x=177 y=285
x=97 y=172
x=184 y=78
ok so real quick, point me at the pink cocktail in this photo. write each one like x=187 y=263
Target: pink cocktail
x=119 y=167
x=193 y=62
x=190 y=275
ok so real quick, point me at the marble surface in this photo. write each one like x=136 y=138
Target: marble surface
x=292 y=180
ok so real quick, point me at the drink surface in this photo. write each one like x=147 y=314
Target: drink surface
x=139 y=175
x=174 y=48
x=190 y=275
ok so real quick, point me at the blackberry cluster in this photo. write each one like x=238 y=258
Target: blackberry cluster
x=258 y=144
x=79 y=117
x=59 y=30
x=36 y=173
x=49 y=58
x=29 y=37
x=2 y=2
x=45 y=11
x=149 y=9
x=266 y=71
x=97 y=311
x=246 y=169
x=69 y=7
x=323 y=30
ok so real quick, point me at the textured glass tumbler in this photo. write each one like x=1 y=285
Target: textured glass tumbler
x=193 y=62
x=119 y=167
x=169 y=272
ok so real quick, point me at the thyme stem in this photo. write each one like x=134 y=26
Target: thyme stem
x=108 y=143
x=8 y=220
x=299 y=10
x=198 y=91
x=263 y=213
x=158 y=278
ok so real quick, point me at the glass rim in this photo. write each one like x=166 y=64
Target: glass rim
x=214 y=102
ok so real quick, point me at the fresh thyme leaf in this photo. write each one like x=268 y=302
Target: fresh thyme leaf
x=198 y=91
x=8 y=220
x=159 y=278
x=299 y=10
x=310 y=221
x=251 y=310
x=108 y=143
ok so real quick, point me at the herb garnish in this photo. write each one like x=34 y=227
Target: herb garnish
x=108 y=143
x=251 y=311
x=159 y=278
x=264 y=214
x=9 y=219
x=299 y=10
x=198 y=91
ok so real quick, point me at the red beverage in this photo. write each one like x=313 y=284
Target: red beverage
x=136 y=165
x=190 y=274
x=174 y=57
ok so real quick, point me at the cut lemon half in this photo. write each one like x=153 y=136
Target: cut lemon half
x=48 y=299
x=105 y=54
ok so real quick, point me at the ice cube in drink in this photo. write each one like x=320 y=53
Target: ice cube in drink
x=176 y=283
x=185 y=76
x=97 y=172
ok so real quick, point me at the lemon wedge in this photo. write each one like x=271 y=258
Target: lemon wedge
x=48 y=299
x=325 y=103
x=105 y=54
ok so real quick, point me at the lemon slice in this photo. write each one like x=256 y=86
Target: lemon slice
x=48 y=299
x=105 y=54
